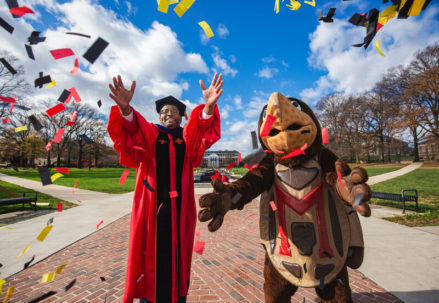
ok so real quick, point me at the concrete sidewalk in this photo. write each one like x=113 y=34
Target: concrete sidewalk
x=393 y=174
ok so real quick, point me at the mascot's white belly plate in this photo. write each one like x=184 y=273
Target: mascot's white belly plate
x=307 y=237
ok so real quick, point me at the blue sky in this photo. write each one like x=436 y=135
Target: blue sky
x=257 y=50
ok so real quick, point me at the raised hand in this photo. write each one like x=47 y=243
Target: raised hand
x=212 y=94
x=122 y=96
x=354 y=189
x=215 y=205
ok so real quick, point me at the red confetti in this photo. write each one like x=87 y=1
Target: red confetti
x=198 y=233
x=12 y=107
x=6 y=120
x=267 y=151
x=216 y=176
x=62 y=170
x=239 y=158
x=55 y=110
x=250 y=216
x=158 y=209
x=273 y=206
x=296 y=152
x=267 y=126
x=8 y=99
x=247 y=166
x=124 y=176
x=73 y=189
x=173 y=194
x=255 y=165
x=138 y=148
x=61 y=53
x=99 y=224
x=231 y=165
x=73 y=94
x=199 y=247
x=325 y=137
x=48 y=146
x=58 y=135
x=279 y=151
x=75 y=69
x=59 y=206
x=339 y=178
x=70 y=123
x=72 y=116
x=21 y=11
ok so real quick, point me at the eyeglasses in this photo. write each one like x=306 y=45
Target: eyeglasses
x=169 y=111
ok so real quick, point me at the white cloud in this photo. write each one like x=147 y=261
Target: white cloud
x=222 y=31
x=257 y=102
x=154 y=57
x=221 y=65
x=267 y=72
x=354 y=70
x=268 y=59
x=232 y=58
x=238 y=102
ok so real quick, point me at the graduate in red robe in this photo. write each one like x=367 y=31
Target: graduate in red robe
x=163 y=217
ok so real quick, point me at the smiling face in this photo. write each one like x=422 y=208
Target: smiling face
x=293 y=127
x=170 y=116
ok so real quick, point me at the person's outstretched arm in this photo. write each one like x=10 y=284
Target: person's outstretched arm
x=129 y=131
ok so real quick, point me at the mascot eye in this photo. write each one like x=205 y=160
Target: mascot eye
x=296 y=104
x=264 y=114
x=274 y=132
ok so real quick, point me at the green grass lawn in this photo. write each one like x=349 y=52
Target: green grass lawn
x=426 y=181
x=42 y=198
x=98 y=179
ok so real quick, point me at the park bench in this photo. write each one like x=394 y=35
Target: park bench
x=21 y=200
x=399 y=197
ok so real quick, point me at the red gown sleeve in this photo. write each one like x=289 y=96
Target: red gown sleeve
x=132 y=140
x=199 y=134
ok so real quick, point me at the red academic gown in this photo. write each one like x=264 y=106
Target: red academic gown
x=135 y=142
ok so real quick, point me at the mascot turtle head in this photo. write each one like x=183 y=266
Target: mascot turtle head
x=295 y=125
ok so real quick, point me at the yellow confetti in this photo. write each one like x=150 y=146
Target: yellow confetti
x=294 y=5
x=183 y=6
x=416 y=7
x=163 y=6
x=313 y=3
x=24 y=250
x=1 y=286
x=7 y=227
x=378 y=47
x=60 y=268
x=56 y=177
x=44 y=233
x=276 y=6
x=9 y=294
x=387 y=14
x=20 y=129
x=170 y=1
x=206 y=28
x=51 y=84
x=48 y=277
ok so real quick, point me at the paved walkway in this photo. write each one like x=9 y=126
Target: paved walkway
x=401 y=260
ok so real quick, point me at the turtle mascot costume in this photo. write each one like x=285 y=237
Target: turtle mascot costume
x=312 y=232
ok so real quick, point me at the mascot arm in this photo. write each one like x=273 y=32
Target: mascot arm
x=350 y=185
x=215 y=205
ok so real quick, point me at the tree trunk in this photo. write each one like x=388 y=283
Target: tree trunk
x=69 y=153
x=89 y=160
x=80 y=156
x=388 y=152
x=415 y=143
x=48 y=158
x=382 y=148
x=58 y=157
x=96 y=156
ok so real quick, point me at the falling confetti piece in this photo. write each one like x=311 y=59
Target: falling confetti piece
x=378 y=47
x=207 y=30
x=24 y=250
x=173 y=194
x=339 y=178
x=231 y=165
x=48 y=277
x=273 y=206
x=269 y=120
x=198 y=233
x=199 y=247
x=158 y=209
x=99 y=224
x=56 y=177
x=44 y=233
x=325 y=137
x=124 y=176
